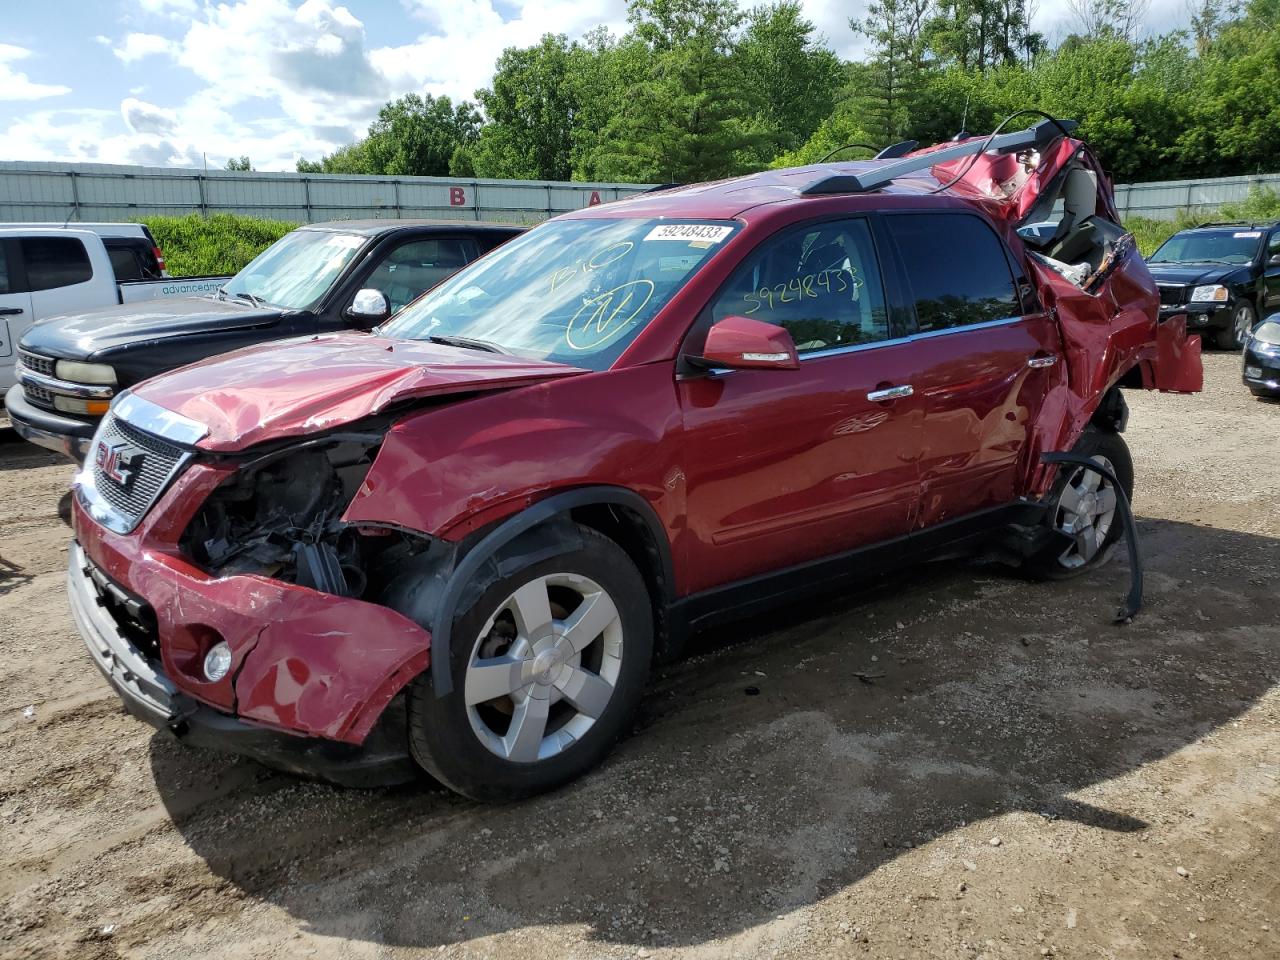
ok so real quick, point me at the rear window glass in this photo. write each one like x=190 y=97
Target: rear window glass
x=125 y=265
x=957 y=270
x=55 y=262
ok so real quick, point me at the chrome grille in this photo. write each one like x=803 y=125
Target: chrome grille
x=143 y=466
x=38 y=395
x=33 y=361
x=1172 y=294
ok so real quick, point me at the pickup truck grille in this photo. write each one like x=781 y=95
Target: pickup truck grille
x=131 y=468
x=1172 y=294
x=33 y=361
x=39 y=396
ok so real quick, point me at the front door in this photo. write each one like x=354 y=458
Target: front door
x=785 y=466
x=985 y=362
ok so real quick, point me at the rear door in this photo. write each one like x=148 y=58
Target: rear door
x=985 y=360
x=786 y=466
x=15 y=306
x=1271 y=274
x=66 y=271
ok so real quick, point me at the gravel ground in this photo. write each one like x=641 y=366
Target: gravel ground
x=1014 y=777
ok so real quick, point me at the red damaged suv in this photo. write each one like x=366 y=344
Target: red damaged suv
x=459 y=543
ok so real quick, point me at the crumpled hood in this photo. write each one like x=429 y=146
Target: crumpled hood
x=94 y=333
x=296 y=387
x=1191 y=273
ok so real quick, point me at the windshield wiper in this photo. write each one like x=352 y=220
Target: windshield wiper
x=470 y=343
x=255 y=301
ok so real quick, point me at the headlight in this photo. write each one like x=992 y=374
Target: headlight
x=1210 y=293
x=95 y=408
x=1268 y=331
x=84 y=372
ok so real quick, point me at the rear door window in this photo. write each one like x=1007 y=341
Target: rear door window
x=956 y=268
x=124 y=263
x=821 y=282
x=55 y=262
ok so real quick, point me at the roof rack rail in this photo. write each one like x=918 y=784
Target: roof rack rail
x=1039 y=135
x=1250 y=224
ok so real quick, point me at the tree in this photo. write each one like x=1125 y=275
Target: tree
x=794 y=76
x=413 y=136
x=687 y=119
x=890 y=78
x=1118 y=18
x=530 y=109
x=239 y=163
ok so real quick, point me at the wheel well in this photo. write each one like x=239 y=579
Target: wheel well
x=1113 y=412
x=625 y=527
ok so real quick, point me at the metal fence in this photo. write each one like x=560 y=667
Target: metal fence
x=99 y=191
x=1165 y=199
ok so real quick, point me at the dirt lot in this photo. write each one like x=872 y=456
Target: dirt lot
x=1023 y=780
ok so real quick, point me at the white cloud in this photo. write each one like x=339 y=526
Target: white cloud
x=15 y=85
x=139 y=45
x=142 y=117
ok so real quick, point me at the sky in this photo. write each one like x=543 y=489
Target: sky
x=190 y=82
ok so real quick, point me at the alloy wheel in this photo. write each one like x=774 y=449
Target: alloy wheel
x=544 y=667
x=1242 y=324
x=1085 y=512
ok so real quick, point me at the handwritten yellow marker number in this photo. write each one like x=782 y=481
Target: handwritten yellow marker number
x=606 y=315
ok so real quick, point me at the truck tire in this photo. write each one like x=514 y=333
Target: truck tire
x=548 y=667
x=1083 y=505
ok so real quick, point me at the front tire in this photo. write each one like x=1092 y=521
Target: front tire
x=548 y=667
x=1243 y=318
x=1085 y=509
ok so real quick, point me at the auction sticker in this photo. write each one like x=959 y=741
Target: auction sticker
x=689 y=232
x=1251 y=234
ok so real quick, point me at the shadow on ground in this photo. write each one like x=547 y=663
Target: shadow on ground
x=875 y=723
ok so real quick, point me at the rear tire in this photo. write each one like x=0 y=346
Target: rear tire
x=1085 y=507
x=1243 y=318
x=538 y=697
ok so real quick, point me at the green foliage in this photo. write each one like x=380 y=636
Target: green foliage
x=239 y=163
x=415 y=136
x=221 y=244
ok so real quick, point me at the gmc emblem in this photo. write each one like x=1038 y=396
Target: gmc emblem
x=118 y=461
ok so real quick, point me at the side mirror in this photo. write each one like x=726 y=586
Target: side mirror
x=369 y=307
x=1275 y=259
x=739 y=343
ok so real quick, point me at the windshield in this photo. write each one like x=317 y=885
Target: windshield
x=295 y=271
x=1210 y=246
x=571 y=291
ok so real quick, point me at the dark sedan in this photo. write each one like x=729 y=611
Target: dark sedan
x=1262 y=358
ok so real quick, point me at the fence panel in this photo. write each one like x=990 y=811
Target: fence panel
x=97 y=191
x=64 y=191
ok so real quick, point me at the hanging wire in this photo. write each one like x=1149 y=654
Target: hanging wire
x=849 y=146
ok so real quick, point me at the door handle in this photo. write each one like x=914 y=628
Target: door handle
x=1044 y=360
x=11 y=311
x=891 y=393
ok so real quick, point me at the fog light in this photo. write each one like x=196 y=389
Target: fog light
x=217 y=661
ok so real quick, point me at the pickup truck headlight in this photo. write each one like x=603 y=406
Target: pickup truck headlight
x=1210 y=293
x=77 y=372
x=1268 y=332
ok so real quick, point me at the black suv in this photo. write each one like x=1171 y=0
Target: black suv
x=345 y=275
x=1223 y=276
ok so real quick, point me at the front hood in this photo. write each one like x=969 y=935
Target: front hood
x=95 y=333
x=303 y=386
x=1190 y=273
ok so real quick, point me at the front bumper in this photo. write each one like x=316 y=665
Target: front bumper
x=1261 y=368
x=1200 y=316
x=54 y=431
x=148 y=694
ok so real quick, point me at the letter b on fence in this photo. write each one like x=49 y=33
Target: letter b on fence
x=457 y=197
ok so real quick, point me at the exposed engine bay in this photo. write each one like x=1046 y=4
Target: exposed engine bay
x=280 y=517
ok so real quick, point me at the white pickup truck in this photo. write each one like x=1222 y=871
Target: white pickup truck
x=48 y=269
